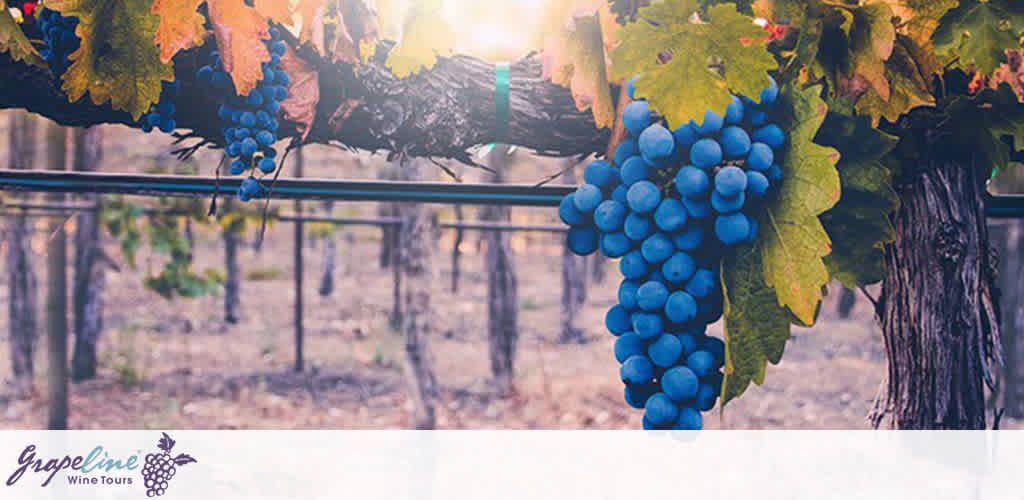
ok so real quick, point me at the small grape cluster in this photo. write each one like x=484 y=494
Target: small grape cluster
x=161 y=467
x=161 y=115
x=61 y=40
x=158 y=470
x=250 y=121
x=673 y=203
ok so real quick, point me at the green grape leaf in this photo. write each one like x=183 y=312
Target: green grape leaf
x=14 y=41
x=426 y=36
x=977 y=33
x=909 y=71
x=859 y=224
x=793 y=238
x=756 y=327
x=687 y=85
x=872 y=36
x=983 y=120
x=118 y=60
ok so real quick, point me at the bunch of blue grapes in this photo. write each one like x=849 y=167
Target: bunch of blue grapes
x=161 y=115
x=60 y=38
x=250 y=122
x=669 y=207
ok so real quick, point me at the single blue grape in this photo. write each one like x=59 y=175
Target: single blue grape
x=734 y=113
x=628 y=345
x=250 y=187
x=732 y=229
x=627 y=294
x=168 y=125
x=281 y=92
x=712 y=123
x=647 y=325
x=637 y=369
x=657 y=248
x=685 y=136
x=637 y=227
x=224 y=112
x=651 y=296
x=233 y=149
x=770 y=134
x=665 y=351
x=204 y=74
x=660 y=410
x=757 y=184
x=725 y=205
x=278 y=48
x=688 y=342
x=637 y=395
x=643 y=197
x=269 y=152
x=254 y=99
x=770 y=94
x=153 y=119
x=609 y=216
x=692 y=182
x=716 y=347
x=680 y=307
x=701 y=285
x=619 y=194
x=248 y=147
x=678 y=268
x=656 y=145
x=266 y=165
x=272 y=107
x=706 y=153
x=634 y=170
x=680 y=383
x=238 y=167
x=633 y=266
x=582 y=240
x=670 y=215
x=626 y=149
x=690 y=238
x=706 y=396
x=618 y=320
x=615 y=245
x=587 y=198
x=735 y=142
x=636 y=117
x=265 y=137
x=730 y=181
x=689 y=420
x=247 y=119
x=698 y=209
x=701 y=362
x=760 y=157
x=568 y=212
x=599 y=173
x=240 y=133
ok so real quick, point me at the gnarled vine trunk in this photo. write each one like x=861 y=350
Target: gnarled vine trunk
x=419 y=235
x=21 y=278
x=502 y=287
x=938 y=309
x=90 y=276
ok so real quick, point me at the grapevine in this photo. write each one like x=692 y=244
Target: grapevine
x=671 y=206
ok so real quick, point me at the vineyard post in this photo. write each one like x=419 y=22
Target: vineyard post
x=502 y=285
x=330 y=253
x=57 y=138
x=300 y=229
x=1008 y=237
x=233 y=279
x=89 y=279
x=21 y=278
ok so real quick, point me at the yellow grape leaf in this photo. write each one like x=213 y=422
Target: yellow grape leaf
x=793 y=240
x=278 y=11
x=117 y=60
x=181 y=26
x=909 y=72
x=425 y=37
x=574 y=55
x=240 y=32
x=687 y=85
x=872 y=36
x=918 y=19
x=14 y=41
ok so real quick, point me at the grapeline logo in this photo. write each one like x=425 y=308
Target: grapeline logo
x=160 y=467
x=100 y=468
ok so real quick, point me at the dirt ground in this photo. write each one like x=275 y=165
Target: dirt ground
x=177 y=364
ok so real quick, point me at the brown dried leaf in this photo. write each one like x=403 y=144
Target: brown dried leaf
x=303 y=92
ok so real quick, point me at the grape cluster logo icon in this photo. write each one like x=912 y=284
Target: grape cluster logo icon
x=161 y=467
